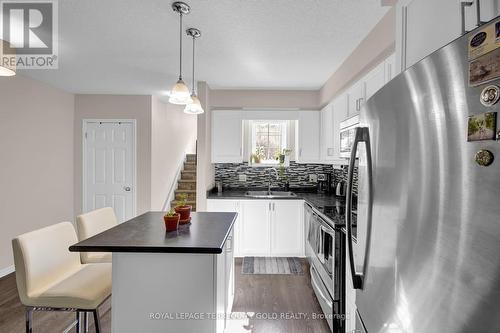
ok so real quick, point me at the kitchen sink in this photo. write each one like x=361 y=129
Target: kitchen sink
x=270 y=194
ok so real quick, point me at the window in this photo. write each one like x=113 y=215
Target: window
x=269 y=138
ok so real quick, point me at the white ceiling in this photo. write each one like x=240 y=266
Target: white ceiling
x=131 y=46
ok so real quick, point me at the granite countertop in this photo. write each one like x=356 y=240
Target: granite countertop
x=207 y=233
x=329 y=205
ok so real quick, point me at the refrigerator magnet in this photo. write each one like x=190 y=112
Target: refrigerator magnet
x=485 y=40
x=482 y=127
x=485 y=69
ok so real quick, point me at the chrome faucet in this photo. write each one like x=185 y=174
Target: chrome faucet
x=269 y=179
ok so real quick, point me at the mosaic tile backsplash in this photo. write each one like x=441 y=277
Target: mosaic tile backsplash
x=298 y=175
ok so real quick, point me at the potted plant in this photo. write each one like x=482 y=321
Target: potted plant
x=283 y=176
x=286 y=156
x=171 y=219
x=258 y=156
x=183 y=209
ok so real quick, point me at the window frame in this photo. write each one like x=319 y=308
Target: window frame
x=285 y=139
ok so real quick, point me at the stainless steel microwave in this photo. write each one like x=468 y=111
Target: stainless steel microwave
x=347 y=133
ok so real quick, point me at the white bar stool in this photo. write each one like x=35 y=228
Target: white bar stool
x=93 y=223
x=51 y=278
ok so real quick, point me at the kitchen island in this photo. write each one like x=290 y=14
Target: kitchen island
x=180 y=281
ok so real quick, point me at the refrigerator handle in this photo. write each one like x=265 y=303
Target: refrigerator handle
x=362 y=135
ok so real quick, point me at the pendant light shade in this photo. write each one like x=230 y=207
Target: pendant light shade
x=8 y=61
x=180 y=92
x=195 y=106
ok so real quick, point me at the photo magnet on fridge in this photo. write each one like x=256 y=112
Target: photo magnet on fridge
x=482 y=127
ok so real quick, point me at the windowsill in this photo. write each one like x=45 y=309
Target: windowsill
x=265 y=165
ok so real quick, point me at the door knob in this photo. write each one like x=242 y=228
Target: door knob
x=127 y=188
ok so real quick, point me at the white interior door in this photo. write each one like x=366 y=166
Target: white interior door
x=109 y=167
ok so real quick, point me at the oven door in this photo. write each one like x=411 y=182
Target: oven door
x=328 y=236
x=314 y=237
x=324 y=298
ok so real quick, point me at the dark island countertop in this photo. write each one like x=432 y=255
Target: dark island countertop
x=207 y=233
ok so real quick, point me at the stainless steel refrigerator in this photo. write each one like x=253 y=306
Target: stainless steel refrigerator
x=427 y=257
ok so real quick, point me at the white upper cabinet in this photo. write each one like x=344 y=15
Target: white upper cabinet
x=356 y=98
x=374 y=81
x=327 y=134
x=340 y=113
x=390 y=68
x=424 y=26
x=308 y=141
x=227 y=137
x=349 y=104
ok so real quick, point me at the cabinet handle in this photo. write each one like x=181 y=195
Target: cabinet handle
x=274 y=206
x=478 y=12
x=462 y=12
x=360 y=103
x=300 y=152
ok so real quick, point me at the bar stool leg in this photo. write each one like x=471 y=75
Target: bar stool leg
x=29 y=320
x=78 y=321
x=97 y=321
x=85 y=322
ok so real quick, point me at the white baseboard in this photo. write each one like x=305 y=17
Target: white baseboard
x=6 y=271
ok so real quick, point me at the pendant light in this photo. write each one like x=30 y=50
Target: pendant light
x=8 y=61
x=195 y=106
x=180 y=92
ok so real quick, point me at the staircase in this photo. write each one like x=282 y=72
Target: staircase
x=187 y=182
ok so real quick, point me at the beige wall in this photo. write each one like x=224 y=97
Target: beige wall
x=173 y=135
x=236 y=99
x=36 y=159
x=116 y=107
x=373 y=49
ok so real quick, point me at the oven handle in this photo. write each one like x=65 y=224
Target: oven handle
x=314 y=276
x=362 y=135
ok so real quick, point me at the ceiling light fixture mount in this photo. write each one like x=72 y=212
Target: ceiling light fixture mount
x=181 y=7
x=195 y=106
x=193 y=32
x=180 y=92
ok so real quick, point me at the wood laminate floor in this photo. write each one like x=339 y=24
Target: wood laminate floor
x=262 y=304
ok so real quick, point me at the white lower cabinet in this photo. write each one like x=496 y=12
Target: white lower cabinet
x=255 y=235
x=265 y=227
x=219 y=205
x=224 y=289
x=272 y=228
x=287 y=228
